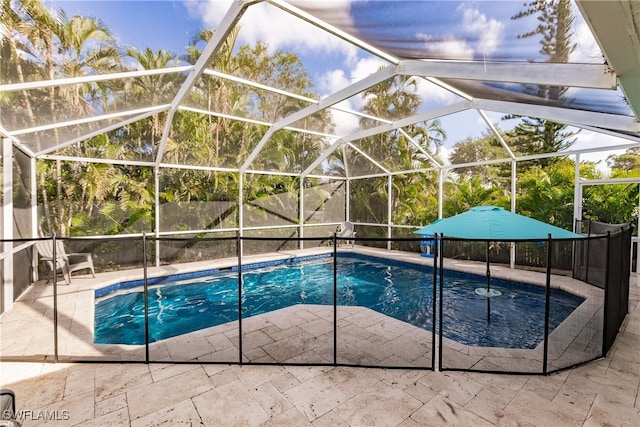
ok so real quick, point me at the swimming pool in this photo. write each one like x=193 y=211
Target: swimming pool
x=401 y=290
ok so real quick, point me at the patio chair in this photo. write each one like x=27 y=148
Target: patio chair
x=8 y=408
x=66 y=263
x=347 y=232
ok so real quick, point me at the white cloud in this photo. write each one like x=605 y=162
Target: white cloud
x=345 y=123
x=210 y=12
x=366 y=66
x=337 y=79
x=429 y=93
x=587 y=49
x=443 y=154
x=447 y=47
x=280 y=29
x=333 y=81
x=489 y=31
x=486 y=36
x=587 y=139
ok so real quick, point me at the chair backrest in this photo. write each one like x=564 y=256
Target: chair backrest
x=8 y=403
x=346 y=229
x=45 y=248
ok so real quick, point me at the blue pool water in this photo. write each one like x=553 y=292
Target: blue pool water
x=400 y=290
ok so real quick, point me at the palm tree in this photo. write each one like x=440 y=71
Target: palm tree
x=71 y=47
x=413 y=194
x=148 y=91
x=13 y=69
x=546 y=194
x=44 y=43
x=467 y=192
x=216 y=95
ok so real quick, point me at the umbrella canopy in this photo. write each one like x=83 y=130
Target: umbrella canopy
x=494 y=223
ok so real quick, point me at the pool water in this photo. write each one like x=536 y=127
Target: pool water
x=400 y=290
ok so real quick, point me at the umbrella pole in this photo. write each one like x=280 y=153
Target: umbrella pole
x=488 y=287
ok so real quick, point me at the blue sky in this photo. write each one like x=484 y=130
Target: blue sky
x=156 y=24
x=464 y=30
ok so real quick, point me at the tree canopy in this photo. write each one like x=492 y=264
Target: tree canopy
x=91 y=198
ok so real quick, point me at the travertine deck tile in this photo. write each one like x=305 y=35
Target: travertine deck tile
x=113 y=404
x=440 y=411
x=323 y=394
x=329 y=419
x=291 y=417
x=528 y=406
x=374 y=407
x=603 y=392
x=122 y=379
x=167 y=392
x=119 y=417
x=229 y=405
x=607 y=410
x=490 y=402
x=272 y=401
x=183 y=413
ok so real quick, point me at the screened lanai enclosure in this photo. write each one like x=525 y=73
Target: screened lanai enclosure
x=152 y=149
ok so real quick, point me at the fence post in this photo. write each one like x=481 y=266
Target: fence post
x=55 y=297
x=146 y=297
x=441 y=314
x=488 y=281
x=547 y=300
x=239 y=253
x=434 y=302
x=605 y=311
x=335 y=299
x=586 y=273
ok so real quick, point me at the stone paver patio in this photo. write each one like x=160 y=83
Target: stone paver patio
x=604 y=392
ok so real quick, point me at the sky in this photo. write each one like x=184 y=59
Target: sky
x=156 y=24
x=478 y=30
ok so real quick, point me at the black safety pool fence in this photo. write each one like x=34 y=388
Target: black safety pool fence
x=327 y=301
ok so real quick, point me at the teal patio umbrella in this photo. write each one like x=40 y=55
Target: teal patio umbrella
x=493 y=223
